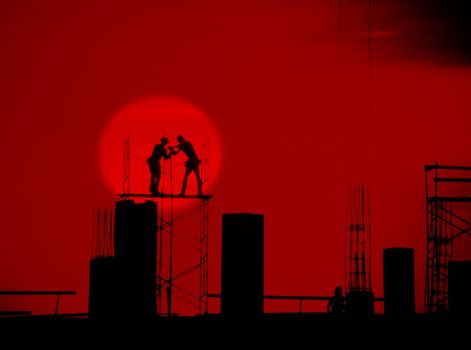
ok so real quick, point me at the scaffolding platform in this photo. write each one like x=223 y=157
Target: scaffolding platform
x=174 y=196
x=463 y=199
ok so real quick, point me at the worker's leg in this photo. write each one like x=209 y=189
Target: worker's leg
x=198 y=180
x=152 y=178
x=185 y=180
x=157 y=175
x=152 y=184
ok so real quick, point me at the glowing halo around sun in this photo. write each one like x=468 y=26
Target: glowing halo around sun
x=146 y=121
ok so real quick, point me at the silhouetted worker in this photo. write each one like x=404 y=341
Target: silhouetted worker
x=191 y=165
x=158 y=153
x=336 y=304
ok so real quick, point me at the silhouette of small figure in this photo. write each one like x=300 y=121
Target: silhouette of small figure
x=158 y=153
x=192 y=164
x=336 y=304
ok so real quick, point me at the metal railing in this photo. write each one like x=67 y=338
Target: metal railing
x=57 y=293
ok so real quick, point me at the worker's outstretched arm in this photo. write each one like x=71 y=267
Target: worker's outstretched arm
x=175 y=150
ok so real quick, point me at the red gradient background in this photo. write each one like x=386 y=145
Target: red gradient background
x=266 y=73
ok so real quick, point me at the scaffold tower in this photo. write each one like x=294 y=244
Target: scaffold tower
x=448 y=204
x=170 y=230
x=358 y=241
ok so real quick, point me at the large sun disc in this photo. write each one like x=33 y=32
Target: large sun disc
x=145 y=122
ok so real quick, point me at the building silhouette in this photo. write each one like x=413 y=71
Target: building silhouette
x=123 y=270
x=459 y=289
x=124 y=285
x=398 y=277
x=242 y=265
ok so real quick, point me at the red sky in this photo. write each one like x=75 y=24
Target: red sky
x=266 y=73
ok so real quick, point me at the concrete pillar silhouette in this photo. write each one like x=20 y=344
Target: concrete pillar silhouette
x=104 y=288
x=399 y=282
x=242 y=265
x=459 y=289
x=136 y=253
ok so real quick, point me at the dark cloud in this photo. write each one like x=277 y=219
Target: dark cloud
x=435 y=30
